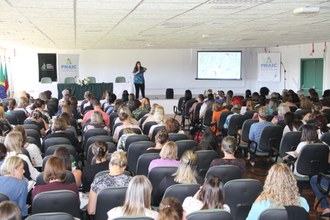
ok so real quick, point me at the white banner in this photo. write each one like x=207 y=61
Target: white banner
x=269 y=67
x=68 y=66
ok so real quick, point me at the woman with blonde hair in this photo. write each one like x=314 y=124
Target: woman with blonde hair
x=168 y=156
x=137 y=200
x=14 y=143
x=127 y=122
x=115 y=178
x=3 y=120
x=96 y=122
x=280 y=189
x=186 y=173
x=159 y=118
x=150 y=114
x=12 y=182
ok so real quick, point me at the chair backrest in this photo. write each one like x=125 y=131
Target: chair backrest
x=57 y=201
x=144 y=162
x=205 y=158
x=51 y=149
x=104 y=204
x=246 y=129
x=69 y=178
x=92 y=79
x=20 y=116
x=135 y=130
x=133 y=217
x=3 y=197
x=240 y=195
x=184 y=145
x=207 y=120
x=55 y=141
x=135 y=150
x=11 y=118
x=91 y=133
x=155 y=131
x=187 y=107
x=31 y=126
x=222 y=119
x=235 y=124
x=46 y=80
x=178 y=109
x=270 y=138
x=69 y=80
x=249 y=114
x=147 y=126
x=225 y=172
x=301 y=112
x=157 y=174
x=51 y=216
x=312 y=159
x=177 y=136
x=196 y=112
x=120 y=79
x=289 y=140
x=181 y=191
x=32 y=140
x=326 y=138
x=134 y=138
x=210 y=214
x=274 y=214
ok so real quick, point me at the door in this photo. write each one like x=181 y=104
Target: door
x=312 y=75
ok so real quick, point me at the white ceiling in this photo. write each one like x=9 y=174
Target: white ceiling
x=136 y=24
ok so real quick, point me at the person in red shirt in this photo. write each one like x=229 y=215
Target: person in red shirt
x=96 y=107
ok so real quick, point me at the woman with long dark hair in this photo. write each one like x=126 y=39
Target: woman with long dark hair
x=138 y=73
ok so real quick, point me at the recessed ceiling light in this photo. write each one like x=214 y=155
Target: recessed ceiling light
x=307 y=10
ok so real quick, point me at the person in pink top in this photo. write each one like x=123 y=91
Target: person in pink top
x=97 y=107
x=168 y=156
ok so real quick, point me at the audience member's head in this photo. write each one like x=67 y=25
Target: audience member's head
x=211 y=194
x=100 y=150
x=309 y=133
x=170 y=208
x=14 y=142
x=169 y=151
x=10 y=211
x=161 y=137
x=54 y=170
x=59 y=124
x=229 y=145
x=97 y=118
x=186 y=172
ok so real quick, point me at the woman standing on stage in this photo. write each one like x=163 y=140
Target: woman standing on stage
x=138 y=73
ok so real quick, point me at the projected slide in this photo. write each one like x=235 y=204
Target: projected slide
x=219 y=65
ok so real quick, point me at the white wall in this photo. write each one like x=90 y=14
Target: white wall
x=167 y=68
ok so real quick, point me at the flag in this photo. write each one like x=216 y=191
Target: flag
x=2 y=83
x=5 y=76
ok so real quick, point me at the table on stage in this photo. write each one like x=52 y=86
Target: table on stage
x=118 y=88
x=96 y=89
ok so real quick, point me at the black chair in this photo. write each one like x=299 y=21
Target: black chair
x=240 y=195
x=135 y=150
x=289 y=142
x=282 y=214
x=32 y=126
x=55 y=141
x=143 y=163
x=325 y=138
x=281 y=123
x=20 y=116
x=300 y=113
x=205 y=158
x=104 y=204
x=235 y=124
x=184 y=145
x=177 y=110
x=269 y=142
x=196 y=122
x=207 y=120
x=157 y=174
x=224 y=172
x=181 y=191
x=134 y=138
x=32 y=140
x=324 y=189
x=312 y=159
x=147 y=126
x=221 y=121
x=91 y=133
x=69 y=178
x=51 y=149
x=142 y=120
x=155 y=131
x=11 y=118
x=57 y=201
x=293 y=108
x=210 y=214
x=113 y=116
x=51 y=216
x=112 y=147
x=3 y=197
x=176 y=137
x=245 y=133
x=249 y=114
x=185 y=114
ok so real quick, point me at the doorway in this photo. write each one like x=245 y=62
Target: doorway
x=311 y=75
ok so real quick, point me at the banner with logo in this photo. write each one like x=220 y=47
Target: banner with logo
x=68 y=65
x=47 y=65
x=269 y=67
